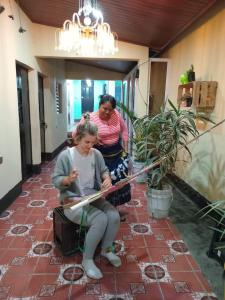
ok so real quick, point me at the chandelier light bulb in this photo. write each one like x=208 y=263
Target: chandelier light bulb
x=87 y=21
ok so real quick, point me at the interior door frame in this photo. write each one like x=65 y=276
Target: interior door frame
x=24 y=126
x=42 y=122
x=87 y=96
x=168 y=72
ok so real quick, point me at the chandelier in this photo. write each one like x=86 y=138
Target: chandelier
x=87 y=33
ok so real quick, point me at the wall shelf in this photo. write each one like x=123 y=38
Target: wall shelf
x=198 y=94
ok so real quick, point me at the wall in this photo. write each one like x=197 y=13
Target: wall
x=75 y=70
x=15 y=46
x=204 y=48
x=56 y=132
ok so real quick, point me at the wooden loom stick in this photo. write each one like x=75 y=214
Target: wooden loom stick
x=88 y=199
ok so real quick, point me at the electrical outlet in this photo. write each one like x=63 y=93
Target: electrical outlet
x=1 y=159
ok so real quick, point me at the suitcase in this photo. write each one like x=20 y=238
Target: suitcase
x=68 y=236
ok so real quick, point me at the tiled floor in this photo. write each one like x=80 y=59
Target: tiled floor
x=156 y=263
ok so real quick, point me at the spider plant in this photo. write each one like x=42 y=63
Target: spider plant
x=139 y=134
x=169 y=131
x=216 y=211
x=162 y=136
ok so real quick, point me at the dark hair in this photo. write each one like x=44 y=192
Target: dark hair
x=85 y=128
x=107 y=98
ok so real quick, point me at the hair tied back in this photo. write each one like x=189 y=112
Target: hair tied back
x=86 y=116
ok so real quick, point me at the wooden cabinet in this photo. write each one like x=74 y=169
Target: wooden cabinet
x=198 y=94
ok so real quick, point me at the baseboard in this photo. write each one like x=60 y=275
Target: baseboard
x=51 y=155
x=9 y=198
x=194 y=196
x=36 y=169
x=187 y=190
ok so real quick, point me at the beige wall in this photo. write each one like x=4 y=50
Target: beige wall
x=204 y=48
x=18 y=47
x=75 y=70
x=56 y=132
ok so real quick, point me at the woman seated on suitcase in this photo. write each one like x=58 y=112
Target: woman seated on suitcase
x=81 y=171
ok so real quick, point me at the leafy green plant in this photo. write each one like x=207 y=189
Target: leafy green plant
x=191 y=69
x=216 y=211
x=139 y=135
x=191 y=74
x=160 y=137
x=168 y=132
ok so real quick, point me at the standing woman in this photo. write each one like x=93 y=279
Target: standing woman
x=80 y=171
x=113 y=144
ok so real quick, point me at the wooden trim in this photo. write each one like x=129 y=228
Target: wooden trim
x=36 y=169
x=9 y=198
x=51 y=155
x=187 y=190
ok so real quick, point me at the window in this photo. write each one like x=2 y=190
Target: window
x=58 y=97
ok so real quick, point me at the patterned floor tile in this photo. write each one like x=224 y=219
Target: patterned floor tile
x=156 y=263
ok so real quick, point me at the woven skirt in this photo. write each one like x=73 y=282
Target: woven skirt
x=118 y=165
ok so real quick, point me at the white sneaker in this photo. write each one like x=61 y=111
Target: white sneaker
x=91 y=270
x=112 y=258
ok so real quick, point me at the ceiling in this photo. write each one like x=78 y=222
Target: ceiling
x=152 y=23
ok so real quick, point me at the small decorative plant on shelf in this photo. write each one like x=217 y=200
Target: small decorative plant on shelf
x=188 y=76
x=184 y=78
x=191 y=74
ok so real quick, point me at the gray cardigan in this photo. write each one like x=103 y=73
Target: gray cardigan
x=63 y=168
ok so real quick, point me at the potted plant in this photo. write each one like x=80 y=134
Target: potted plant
x=159 y=138
x=168 y=131
x=191 y=74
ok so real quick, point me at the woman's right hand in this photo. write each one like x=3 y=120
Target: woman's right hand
x=73 y=175
x=69 y=179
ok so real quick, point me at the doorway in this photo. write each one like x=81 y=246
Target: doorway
x=87 y=96
x=158 y=84
x=43 y=125
x=24 y=121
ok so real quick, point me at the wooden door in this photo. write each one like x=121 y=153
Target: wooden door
x=24 y=121
x=43 y=125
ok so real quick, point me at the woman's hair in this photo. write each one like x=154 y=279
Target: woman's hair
x=107 y=98
x=85 y=128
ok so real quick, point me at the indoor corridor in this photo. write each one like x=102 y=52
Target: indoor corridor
x=156 y=263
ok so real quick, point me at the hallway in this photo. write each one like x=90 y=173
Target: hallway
x=156 y=263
